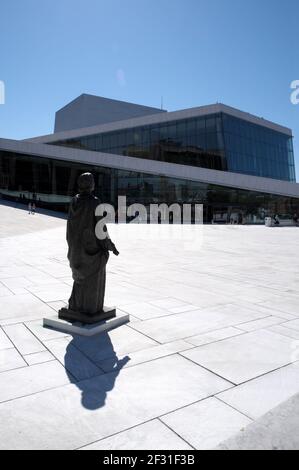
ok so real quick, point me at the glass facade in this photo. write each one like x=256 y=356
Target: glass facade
x=51 y=183
x=257 y=150
x=219 y=142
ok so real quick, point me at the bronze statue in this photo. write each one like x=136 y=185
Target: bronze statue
x=88 y=257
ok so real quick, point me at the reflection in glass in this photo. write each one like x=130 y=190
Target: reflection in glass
x=219 y=142
x=52 y=183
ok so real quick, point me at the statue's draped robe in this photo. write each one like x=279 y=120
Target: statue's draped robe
x=87 y=255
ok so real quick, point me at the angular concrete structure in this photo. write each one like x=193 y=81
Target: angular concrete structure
x=89 y=110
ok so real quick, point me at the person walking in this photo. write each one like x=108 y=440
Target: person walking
x=33 y=208
x=29 y=208
x=276 y=220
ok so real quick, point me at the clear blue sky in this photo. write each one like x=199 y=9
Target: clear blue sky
x=193 y=52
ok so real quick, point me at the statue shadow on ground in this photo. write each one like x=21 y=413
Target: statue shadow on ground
x=99 y=352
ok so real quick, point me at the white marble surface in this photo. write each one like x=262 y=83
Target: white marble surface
x=5 y=342
x=148 y=354
x=23 y=307
x=184 y=325
x=30 y=380
x=214 y=336
x=10 y=359
x=152 y=435
x=207 y=423
x=39 y=358
x=260 y=395
x=244 y=357
x=226 y=300
x=292 y=324
x=90 y=410
x=23 y=339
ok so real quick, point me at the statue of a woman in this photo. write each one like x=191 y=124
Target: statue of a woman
x=88 y=257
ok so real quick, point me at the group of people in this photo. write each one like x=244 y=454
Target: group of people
x=277 y=221
x=236 y=218
x=31 y=208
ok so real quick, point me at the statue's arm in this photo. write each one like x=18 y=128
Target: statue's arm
x=106 y=244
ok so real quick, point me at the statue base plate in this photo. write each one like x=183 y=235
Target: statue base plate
x=77 y=328
x=71 y=316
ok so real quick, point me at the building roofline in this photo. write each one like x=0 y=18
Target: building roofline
x=171 y=170
x=161 y=118
x=91 y=95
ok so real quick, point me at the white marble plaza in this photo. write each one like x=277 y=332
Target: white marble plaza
x=212 y=345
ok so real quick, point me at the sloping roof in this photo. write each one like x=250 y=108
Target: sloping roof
x=89 y=110
x=171 y=170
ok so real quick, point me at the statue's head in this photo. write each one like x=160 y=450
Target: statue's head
x=86 y=183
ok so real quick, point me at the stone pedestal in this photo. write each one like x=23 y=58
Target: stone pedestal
x=71 y=316
x=78 y=328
